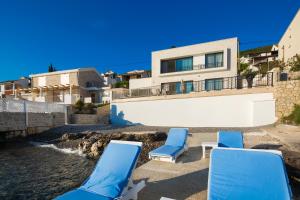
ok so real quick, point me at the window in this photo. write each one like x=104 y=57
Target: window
x=177 y=65
x=177 y=88
x=214 y=60
x=214 y=84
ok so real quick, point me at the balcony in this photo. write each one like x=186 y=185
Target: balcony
x=196 y=68
x=217 y=84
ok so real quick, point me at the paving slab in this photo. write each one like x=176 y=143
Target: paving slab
x=287 y=134
x=186 y=179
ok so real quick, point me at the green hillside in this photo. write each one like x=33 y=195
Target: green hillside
x=256 y=50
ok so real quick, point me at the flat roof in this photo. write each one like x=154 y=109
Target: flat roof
x=194 y=44
x=64 y=72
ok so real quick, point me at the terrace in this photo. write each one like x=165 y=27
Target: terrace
x=190 y=87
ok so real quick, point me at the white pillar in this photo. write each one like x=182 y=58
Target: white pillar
x=14 y=89
x=71 y=94
x=66 y=114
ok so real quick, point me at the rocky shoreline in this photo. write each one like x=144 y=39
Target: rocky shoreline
x=92 y=144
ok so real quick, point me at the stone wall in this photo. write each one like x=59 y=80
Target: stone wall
x=84 y=119
x=103 y=114
x=287 y=94
x=101 y=117
x=13 y=124
x=10 y=121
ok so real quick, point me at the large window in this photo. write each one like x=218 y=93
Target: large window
x=214 y=60
x=177 y=65
x=214 y=84
x=177 y=87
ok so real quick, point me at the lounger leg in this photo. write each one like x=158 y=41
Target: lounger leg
x=132 y=193
x=203 y=151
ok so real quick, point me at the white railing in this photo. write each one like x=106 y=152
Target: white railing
x=10 y=105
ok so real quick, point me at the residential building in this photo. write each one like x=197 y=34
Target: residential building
x=67 y=86
x=135 y=74
x=12 y=88
x=108 y=92
x=205 y=66
x=260 y=55
x=289 y=44
x=110 y=78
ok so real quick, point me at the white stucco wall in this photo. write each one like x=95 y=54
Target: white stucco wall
x=289 y=44
x=140 y=83
x=229 y=47
x=248 y=110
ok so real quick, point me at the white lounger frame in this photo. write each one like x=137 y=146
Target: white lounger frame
x=131 y=190
x=240 y=149
x=170 y=158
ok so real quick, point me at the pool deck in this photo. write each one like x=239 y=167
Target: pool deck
x=187 y=179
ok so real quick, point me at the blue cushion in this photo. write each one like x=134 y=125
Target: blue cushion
x=111 y=174
x=80 y=195
x=166 y=150
x=242 y=174
x=232 y=139
x=177 y=137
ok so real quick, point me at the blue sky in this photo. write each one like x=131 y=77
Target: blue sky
x=120 y=35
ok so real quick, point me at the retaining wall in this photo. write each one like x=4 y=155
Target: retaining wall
x=244 y=110
x=84 y=119
x=13 y=124
x=287 y=94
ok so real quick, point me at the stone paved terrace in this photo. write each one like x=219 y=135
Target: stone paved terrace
x=187 y=179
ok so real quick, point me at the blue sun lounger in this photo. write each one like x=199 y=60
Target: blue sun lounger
x=247 y=174
x=228 y=139
x=174 y=146
x=111 y=178
x=232 y=139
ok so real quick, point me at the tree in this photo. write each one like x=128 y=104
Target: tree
x=51 y=68
x=242 y=67
x=121 y=84
x=249 y=74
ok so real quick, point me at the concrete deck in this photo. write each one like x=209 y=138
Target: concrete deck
x=287 y=134
x=187 y=179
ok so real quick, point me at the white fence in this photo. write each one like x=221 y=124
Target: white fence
x=9 y=105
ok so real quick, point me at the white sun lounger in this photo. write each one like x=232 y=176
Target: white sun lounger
x=175 y=145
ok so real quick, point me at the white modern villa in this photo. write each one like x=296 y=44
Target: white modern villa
x=205 y=66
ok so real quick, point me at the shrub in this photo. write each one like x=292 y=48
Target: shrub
x=103 y=104
x=121 y=84
x=295 y=64
x=81 y=108
x=89 y=108
x=294 y=117
x=79 y=105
